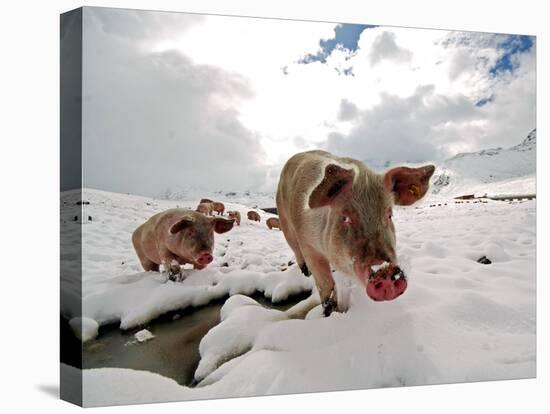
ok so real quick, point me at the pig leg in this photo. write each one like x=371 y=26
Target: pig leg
x=322 y=274
x=148 y=265
x=301 y=309
x=293 y=243
x=170 y=264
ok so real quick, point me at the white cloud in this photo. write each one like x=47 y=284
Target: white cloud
x=417 y=101
x=410 y=93
x=384 y=47
x=153 y=120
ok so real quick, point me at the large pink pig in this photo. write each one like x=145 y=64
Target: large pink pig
x=177 y=236
x=336 y=213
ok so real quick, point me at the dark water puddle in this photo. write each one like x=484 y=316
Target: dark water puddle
x=173 y=353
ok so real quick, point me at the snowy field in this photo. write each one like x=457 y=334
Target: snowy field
x=458 y=321
x=115 y=288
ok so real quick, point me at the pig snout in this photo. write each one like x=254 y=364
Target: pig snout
x=204 y=258
x=383 y=280
x=386 y=289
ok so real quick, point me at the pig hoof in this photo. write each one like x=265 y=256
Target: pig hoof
x=174 y=273
x=305 y=270
x=178 y=278
x=329 y=305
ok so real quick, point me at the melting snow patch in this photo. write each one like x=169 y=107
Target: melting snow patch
x=84 y=328
x=376 y=268
x=143 y=336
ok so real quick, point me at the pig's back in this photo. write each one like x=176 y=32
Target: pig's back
x=157 y=226
x=298 y=175
x=301 y=173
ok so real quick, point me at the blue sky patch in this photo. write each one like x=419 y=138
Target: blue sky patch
x=484 y=101
x=511 y=46
x=346 y=35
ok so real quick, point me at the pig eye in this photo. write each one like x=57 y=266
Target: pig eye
x=346 y=220
x=390 y=214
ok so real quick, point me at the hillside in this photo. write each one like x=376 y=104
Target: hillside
x=492 y=171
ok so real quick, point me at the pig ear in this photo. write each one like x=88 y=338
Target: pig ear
x=336 y=183
x=184 y=223
x=408 y=184
x=222 y=225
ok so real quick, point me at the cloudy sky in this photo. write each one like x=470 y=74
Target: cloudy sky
x=173 y=100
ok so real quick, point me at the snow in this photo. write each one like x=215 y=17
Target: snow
x=255 y=199
x=116 y=386
x=458 y=321
x=84 y=328
x=376 y=268
x=116 y=289
x=143 y=336
x=493 y=172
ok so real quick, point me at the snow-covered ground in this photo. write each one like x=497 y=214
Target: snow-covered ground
x=458 y=321
x=115 y=288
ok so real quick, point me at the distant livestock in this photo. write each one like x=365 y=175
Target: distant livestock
x=218 y=207
x=273 y=223
x=205 y=208
x=235 y=215
x=252 y=215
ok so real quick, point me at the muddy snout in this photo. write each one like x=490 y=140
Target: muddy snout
x=385 y=281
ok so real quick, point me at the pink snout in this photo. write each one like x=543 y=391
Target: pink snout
x=204 y=258
x=386 y=283
x=386 y=289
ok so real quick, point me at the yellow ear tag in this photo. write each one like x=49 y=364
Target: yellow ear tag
x=414 y=190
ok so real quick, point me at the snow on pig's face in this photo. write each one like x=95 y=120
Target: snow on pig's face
x=360 y=234
x=194 y=237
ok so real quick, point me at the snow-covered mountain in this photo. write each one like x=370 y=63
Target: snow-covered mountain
x=492 y=171
x=248 y=197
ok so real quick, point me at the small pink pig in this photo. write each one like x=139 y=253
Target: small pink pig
x=252 y=215
x=205 y=208
x=175 y=237
x=218 y=207
x=273 y=223
x=236 y=216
